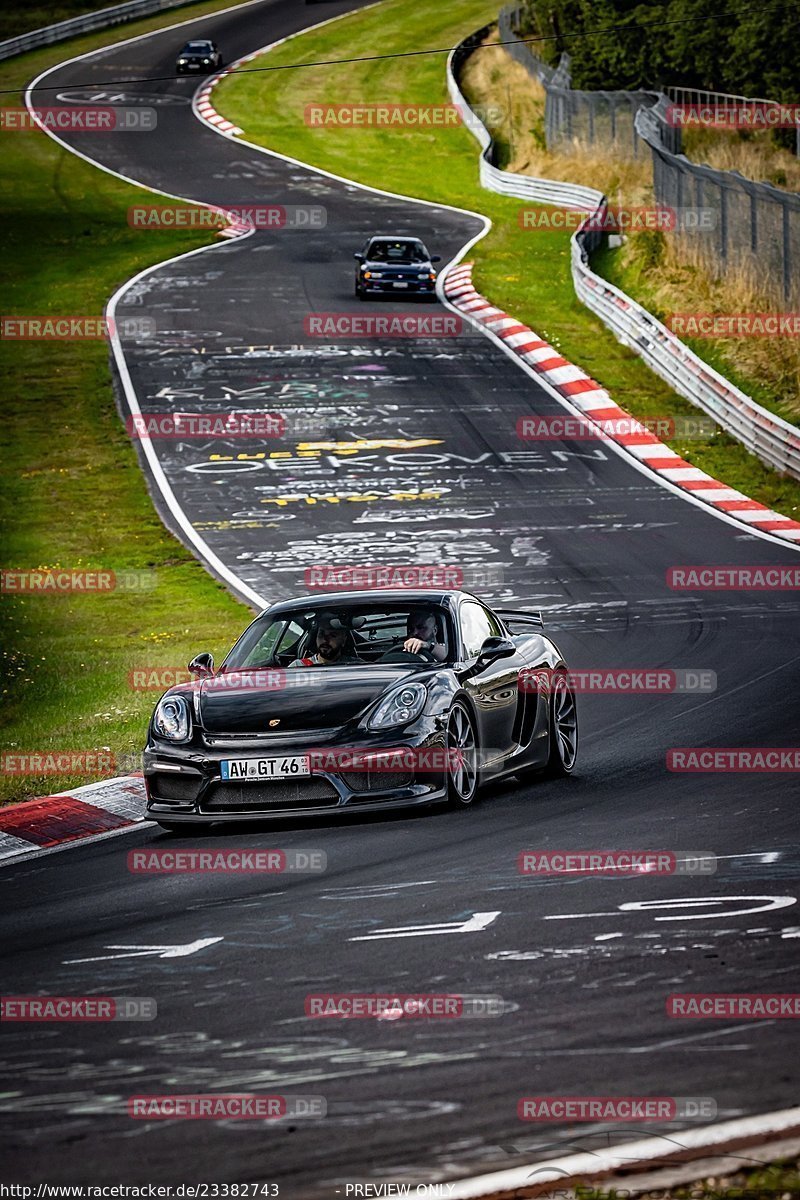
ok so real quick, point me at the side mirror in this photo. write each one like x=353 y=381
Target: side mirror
x=359 y=256
x=202 y=665
x=436 y=258
x=493 y=649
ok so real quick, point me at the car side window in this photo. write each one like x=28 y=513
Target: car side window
x=476 y=626
x=277 y=639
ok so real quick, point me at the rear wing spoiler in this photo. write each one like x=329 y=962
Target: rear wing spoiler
x=516 y=616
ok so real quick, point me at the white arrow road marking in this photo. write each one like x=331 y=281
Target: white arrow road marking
x=477 y=921
x=764 y=904
x=141 y=951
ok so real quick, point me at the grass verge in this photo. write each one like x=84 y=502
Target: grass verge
x=773 y=1181
x=527 y=273
x=662 y=272
x=71 y=492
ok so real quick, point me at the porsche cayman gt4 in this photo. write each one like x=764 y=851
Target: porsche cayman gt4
x=361 y=700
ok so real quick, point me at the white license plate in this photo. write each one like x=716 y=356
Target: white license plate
x=401 y=285
x=265 y=768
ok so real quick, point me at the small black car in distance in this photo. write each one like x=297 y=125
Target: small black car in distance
x=395 y=265
x=318 y=698
x=198 y=57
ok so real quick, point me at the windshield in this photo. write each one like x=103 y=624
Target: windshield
x=345 y=635
x=197 y=48
x=400 y=251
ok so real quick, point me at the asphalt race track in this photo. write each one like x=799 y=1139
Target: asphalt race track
x=585 y=964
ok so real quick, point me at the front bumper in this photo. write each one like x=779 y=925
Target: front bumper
x=185 y=784
x=414 y=287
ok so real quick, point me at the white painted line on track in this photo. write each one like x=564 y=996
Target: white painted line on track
x=588 y=1166
x=474 y=924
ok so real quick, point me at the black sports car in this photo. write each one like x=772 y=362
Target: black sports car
x=395 y=265
x=362 y=700
x=198 y=57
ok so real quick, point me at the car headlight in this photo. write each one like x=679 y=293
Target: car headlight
x=402 y=705
x=181 y=62
x=171 y=719
x=206 y=62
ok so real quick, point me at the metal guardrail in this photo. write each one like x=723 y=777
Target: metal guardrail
x=547 y=191
x=773 y=440
x=101 y=19
x=755 y=225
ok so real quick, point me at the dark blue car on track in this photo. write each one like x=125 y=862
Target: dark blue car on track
x=394 y=265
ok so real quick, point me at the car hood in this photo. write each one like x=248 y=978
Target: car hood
x=308 y=698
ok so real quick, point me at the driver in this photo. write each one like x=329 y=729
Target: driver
x=421 y=634
x=333 y=644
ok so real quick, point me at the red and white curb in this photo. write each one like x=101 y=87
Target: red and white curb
x=596 y=405
x=202 y=104
x=50 y=821
x=684 y=1146
x=204 y=109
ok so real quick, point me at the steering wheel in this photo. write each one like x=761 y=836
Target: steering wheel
x=405 y=656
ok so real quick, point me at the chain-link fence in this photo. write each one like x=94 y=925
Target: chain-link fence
x=742 y=228
x=572 y=117
x=751 y=229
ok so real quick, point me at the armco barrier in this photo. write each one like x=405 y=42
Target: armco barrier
x=101 y=19
x=775 y=441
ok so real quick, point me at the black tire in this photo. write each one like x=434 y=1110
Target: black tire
x=563 y=729
x=463 y=780
x=360 y=293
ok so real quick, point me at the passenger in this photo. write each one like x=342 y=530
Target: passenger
x=334 y=645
